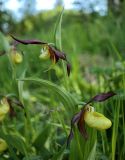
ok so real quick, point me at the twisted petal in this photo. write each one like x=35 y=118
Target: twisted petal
x=26 y=42
x=68 y=68
x=81 y=125
x=53 y=56
x=74 y=120
x=70 y=137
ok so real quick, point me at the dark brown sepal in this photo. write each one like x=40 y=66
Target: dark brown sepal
x=26 y=42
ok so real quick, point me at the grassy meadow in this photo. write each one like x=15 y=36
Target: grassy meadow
x=42 y=99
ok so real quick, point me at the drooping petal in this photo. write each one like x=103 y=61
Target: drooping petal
x=68 y=66
x=81 y=125
x=53 y=57
x=74 y=120
x=102 y=97
x=26 y=42
x=70 y=137
x=12 y=112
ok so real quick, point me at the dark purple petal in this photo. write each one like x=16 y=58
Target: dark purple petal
x=102 y=97
x=58 y=53
x=12 y=112
x=61 y=55
x=70 y=137
x=68 y=66
x=74 y=120
x=81 y=126
x=56 y=57
x=26 y=42
x=52 y=55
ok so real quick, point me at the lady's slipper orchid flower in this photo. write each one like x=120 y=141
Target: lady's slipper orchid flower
x=3 y=145
x=15 y=55
x=47 y=51
x=6 y=106
x=90 y=117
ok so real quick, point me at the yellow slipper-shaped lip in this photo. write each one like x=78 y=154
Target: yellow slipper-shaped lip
x=97 y=120
x=4 y=108
x=17 y=57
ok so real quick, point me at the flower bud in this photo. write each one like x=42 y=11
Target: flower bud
x=96 y=120
x=3 y=145
x=44 y=53
x=4 y=108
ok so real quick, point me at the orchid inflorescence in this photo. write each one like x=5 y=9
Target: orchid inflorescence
x=90 y=117
x=87 y=114
x=47 y=51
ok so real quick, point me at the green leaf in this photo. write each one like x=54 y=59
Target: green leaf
x=64 y=96
x=33 y=158
x=16 y=142
x=42 y=137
